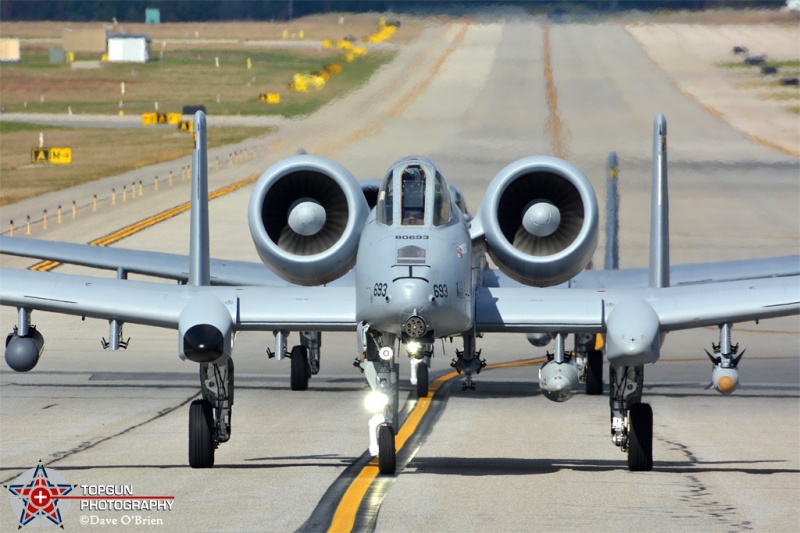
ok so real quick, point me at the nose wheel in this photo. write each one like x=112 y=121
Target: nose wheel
x=387 y=455
x=422 y=379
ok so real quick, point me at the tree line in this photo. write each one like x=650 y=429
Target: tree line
x=281 y=10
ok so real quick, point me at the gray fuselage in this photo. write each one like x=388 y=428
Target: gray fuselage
x=415 y=258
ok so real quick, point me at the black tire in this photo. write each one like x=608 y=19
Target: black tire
x=300 y=369
x=201 y=434
x=422 y=380
x=387 y=457
x=594 y=373
x=640 y=443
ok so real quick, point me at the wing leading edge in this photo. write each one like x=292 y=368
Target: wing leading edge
x=161 y=305
x=552 y=310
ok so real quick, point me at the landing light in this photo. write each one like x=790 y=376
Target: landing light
x=386 y=353
x=412 y=347
x=376 y=401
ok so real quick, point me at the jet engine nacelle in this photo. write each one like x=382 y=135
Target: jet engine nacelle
x=22 y=353
x=539 y=218
x=205 y=331
x=306 y=214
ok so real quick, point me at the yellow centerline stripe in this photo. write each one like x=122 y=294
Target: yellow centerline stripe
x=127 y=231
x=344 y=518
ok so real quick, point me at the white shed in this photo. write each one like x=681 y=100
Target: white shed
x=125 y=48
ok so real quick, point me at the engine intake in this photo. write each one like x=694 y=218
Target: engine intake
x=205 y=330
x=540 y=219
x=306 y=214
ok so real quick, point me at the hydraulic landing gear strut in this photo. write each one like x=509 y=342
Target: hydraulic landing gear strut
x=420 y=358
x=589 y=361
x=380 y=367
x=305 y=357
x=631 y=420
x=210 y=417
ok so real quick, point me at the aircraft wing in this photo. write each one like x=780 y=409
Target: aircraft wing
x=506 y=309
x=160 y=304
x=688 y=274
x=692 y=274
x=157 y=264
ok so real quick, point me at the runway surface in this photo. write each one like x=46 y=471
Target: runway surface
x=472 y=97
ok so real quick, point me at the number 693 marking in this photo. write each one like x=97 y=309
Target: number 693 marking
x=440 y=291
x=380 y=289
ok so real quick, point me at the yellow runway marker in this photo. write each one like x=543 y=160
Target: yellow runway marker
x=344 y=518
x=127 y=231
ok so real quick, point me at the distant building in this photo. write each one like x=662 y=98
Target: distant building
x=127 y=48
x=9 y=51
x=152 y=15
x=85 y=40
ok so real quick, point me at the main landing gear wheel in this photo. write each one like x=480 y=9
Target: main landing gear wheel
x=640 y=443
x=387 y=457
x=422 y=380
x=201 y=434
x=594 y=373
x=301 y=371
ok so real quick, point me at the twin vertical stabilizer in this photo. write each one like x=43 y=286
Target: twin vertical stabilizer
x=199 y=255
x=659 y=208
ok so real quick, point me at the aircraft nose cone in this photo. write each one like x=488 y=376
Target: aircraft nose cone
x=414 y=294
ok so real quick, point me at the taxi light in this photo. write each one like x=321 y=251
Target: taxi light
x=386 y=353
x=376 y=401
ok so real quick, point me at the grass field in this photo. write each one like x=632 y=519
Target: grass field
x=184 y=76
x=770 y=86
x=96 y=153
x=186 y=73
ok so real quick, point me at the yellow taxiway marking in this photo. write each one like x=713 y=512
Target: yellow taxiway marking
x=136 y=227
x=345 y=516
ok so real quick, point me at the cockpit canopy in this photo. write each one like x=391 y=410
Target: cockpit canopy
x=423 y=193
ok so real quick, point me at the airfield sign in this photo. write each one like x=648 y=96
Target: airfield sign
x=57 y=156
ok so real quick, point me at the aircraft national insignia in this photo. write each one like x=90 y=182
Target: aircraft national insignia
x=36 y=497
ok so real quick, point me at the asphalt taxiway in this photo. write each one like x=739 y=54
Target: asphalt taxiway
x=473 y=97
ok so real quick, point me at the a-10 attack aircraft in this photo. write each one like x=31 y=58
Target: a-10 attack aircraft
x=411 y=270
